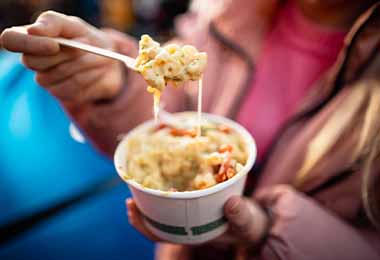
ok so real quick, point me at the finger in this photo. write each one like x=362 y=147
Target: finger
x=123 y=43
x=225 y=239
x=136 y=220
x=77 y=88
x=166 y=251
x=19 y=42
x=242 y=218
x=108 y=87
x=270 y=195
x=42 y=63
x=54 y=24
x=67 y=69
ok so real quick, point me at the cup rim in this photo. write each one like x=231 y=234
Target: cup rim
x=251 y=148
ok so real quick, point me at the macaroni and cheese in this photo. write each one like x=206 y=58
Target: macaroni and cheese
x=173 y=158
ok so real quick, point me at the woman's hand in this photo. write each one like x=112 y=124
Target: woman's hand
x=248 y=222
x=69 y=74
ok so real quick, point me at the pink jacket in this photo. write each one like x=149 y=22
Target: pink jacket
x=313 y=178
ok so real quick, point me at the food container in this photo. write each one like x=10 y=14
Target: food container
x=189 y=217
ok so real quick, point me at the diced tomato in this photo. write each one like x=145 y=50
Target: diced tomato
x=182 y=132
x=225 y=174
x=226 y=171
x=225 y=148
x=177 y=132
x=192 y=133
x=225 y=129
x=225 y=165
x=160 y=126
x=230 y=173
x=221 y=177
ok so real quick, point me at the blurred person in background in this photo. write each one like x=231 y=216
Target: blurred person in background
x=302 y=76
x=46 y=162
x=156 y=17
x=118 y=14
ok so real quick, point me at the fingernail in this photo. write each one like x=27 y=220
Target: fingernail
x=233 y=206
x=129 y=202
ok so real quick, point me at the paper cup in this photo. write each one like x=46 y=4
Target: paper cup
x=189 y=217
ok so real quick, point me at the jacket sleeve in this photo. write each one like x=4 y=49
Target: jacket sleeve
x=302 y=229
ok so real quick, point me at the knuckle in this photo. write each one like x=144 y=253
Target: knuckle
x=5 y=35
x=49 y=14
x=41 y=80
x=81 y=95
x=85 y=60
x=79 y=79
x=109 y=91
x=29 y=62
x=26 y=45
x=50 y=47
x=8 y=41
x=286 y=195
x=286 y=189
x=25 y=60
x=64 y=91
x=76 y=19
x=61 y=69
x=56 y=91
x=233 y=207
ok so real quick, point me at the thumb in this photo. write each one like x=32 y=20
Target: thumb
x=54 y=24
x=124 y=44
x=246 y=218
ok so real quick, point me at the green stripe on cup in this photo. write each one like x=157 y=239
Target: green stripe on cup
x=181 y=231
x=175 y=230
x=208 y=227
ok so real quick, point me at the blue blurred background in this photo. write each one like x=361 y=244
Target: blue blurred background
x=59 y=197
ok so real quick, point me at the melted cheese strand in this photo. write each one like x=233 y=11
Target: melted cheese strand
x=200 y=87
x=156 y=101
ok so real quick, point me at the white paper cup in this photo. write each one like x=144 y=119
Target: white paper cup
x=189 y=217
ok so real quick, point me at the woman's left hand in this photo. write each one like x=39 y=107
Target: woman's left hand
x=248 y=222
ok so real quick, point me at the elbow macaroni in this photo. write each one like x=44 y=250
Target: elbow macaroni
x=169 y=158
x=171 y=63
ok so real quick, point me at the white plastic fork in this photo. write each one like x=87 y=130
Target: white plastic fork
x=128 y=61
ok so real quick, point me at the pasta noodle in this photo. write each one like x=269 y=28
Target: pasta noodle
x=169 y=64
x=200 y=87
x=169 y=157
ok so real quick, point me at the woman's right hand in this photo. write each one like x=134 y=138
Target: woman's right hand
x=248 y=222
x=71 y=75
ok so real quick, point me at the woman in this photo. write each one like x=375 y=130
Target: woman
x=266 y=61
